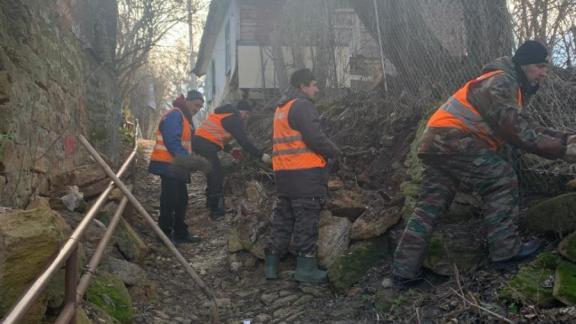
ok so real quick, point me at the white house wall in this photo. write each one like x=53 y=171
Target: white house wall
x=256 y=67
x=220 y=76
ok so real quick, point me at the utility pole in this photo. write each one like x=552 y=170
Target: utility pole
x=379 y=32
x=193 y=83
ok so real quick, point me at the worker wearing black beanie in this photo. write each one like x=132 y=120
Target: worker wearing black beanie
x=467 y=144
x=531 y=52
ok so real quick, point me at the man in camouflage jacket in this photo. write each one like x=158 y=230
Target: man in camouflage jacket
x=464 y=151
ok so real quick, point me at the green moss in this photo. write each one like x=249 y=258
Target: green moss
x=351 y=267
x=556 y=215
x=30 y=239
x=454 y=245
x=529 y=286
x=411 y=188
x=565 y=283
x=127 y=240
x=567 y=247
x=109 y=293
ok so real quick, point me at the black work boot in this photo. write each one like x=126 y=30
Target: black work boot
x=528 y=250
x=307 y=270
x=217 y=209
x=401 y=283
x=271 y=266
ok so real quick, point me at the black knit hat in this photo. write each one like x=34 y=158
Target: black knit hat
x=531 y=52
x=194 y=95
x=244 y=105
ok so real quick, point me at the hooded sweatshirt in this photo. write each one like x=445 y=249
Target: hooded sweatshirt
x=304 y=118
x=495 y=99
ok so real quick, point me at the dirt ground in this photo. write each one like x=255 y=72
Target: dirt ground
x=244 y=296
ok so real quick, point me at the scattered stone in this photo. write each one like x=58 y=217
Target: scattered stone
x=314 y=291
x=284 y=301
x=528 y=285
x=353 y=265
x=333 y=238
x=39 y=202
x=303 y=300
x=346 y=203
x=567 y=248
x=460 y=244
x=335 y=184
x=28 y=241
x=162 y=315
x=234 y=242
x=263 y=318
x=371 y=223
x=556 y=215
x=565 y=283
x=126 y=239
x=269 y=298
x=109 y=293
x=387 y=283
x=130 y=273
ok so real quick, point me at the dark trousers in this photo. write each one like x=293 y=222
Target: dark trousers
x=489 y=175
x=297 y=219
x=173 y=203
x=214 y=179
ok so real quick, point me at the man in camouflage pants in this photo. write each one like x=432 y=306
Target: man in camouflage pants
x=462 y=147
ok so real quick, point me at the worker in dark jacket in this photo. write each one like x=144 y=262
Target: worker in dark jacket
x=300 y=154
x=216 y=131
x=463 y=145
x=172 y=160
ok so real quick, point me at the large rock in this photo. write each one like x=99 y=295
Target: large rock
x=565 y=283
x=90 y=180
x=108 y=293
x=126 y=239
x=130 y=273
x=455 y=244
x=373 y=223
x=567 y=248
x=556 y=215
x=532 y=285
x=250 y=230
x=333 y=239
x=28 y=241
x=346 y=203
x=354 y=264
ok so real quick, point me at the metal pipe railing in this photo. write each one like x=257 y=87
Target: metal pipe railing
x=69 y=310
x=138 y=206
x=67 y=252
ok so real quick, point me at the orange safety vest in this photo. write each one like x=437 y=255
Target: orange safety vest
x=160 y=152
x=459 y=113
x=289 y=150
x=213 y=130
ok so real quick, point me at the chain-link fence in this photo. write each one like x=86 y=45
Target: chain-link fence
x=437 y=45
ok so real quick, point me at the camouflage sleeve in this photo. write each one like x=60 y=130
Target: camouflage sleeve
x=497 y=104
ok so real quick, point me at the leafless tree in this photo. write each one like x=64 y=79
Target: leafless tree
x=142 y=24
x=437 y=43
x=550 y=22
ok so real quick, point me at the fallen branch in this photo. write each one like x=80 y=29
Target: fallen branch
x=474 y=303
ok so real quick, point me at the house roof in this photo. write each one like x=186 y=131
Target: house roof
x=216 y=17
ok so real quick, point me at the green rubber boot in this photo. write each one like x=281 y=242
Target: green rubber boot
x=307 y=270
x=272 y=266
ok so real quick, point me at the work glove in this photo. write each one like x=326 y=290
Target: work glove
x=267 y=159
x=570 y=155
x=191 y=163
